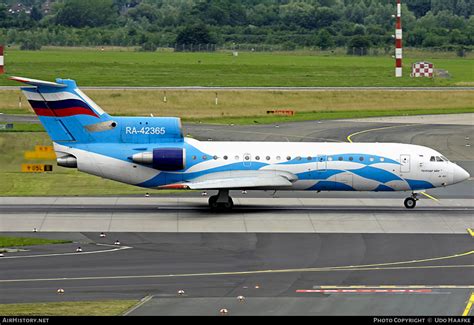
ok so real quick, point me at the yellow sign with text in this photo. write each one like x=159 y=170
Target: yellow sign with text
x=41 y=152
x=36 y=168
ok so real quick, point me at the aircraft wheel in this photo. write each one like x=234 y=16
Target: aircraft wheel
x=214 y=205
x=410 y=203
x=229 y=204
x=213 y=202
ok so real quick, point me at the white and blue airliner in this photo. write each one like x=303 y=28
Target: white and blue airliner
x=151 y=152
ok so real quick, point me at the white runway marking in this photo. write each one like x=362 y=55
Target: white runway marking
x=75 y=253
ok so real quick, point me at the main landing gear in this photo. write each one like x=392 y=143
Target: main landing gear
x=410 y=202
x=221 y=201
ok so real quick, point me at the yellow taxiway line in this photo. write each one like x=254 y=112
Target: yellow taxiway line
x=401 y=265
x=468 y=308
x=470 y=231
x=376 y=129
x=429 y=196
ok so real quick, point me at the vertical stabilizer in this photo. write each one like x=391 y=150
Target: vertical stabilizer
x=63 y=109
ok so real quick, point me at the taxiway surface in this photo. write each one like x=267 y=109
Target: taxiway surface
x=282 y=274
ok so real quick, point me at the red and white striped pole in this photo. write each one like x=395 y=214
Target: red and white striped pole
x=2 y=70
x=398 y=41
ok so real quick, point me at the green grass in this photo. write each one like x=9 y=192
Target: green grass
x=70 y=308
x=126 y=68
x=22 y=241
x=200 y=104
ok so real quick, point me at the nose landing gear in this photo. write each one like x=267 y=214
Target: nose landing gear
x=221 y=201
x=410 y=202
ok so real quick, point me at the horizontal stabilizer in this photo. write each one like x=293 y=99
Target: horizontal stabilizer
x=35 y=82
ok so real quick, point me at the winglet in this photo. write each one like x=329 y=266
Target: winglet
x=34 y=82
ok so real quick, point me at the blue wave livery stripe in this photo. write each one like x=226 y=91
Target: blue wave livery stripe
x=419 y=185
x=376 y=174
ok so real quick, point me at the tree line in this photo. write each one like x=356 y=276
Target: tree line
x=324 y=24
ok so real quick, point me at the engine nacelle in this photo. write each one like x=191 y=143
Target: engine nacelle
x=168 y=159
x=68 y=161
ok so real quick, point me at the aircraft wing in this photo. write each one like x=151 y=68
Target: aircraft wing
x=255 y=179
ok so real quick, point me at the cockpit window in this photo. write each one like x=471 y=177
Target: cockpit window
x=438 y=158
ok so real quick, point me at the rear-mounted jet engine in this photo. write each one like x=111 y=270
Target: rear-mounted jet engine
x=168 y=159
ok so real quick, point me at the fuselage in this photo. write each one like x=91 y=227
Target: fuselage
x=317 y=166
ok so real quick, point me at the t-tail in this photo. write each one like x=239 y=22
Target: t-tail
x=74 y=122
x=65 y=111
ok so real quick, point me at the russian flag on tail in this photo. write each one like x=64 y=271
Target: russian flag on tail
x=59 y=99
x=65 y=111
x=58 y=104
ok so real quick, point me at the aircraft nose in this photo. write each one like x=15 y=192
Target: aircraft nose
x=459 y=174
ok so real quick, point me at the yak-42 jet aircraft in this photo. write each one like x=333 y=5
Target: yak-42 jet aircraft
x=151 y=152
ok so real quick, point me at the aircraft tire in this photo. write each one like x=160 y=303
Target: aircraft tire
x=410 y=203
x=213 y=202
x=229 y=204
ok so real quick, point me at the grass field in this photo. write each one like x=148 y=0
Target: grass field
x=70 y=308
x=128 y=68
x=22 y=241
x=194 y=105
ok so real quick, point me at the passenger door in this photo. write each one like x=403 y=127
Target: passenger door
x=404 y=163
x=321 y=164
